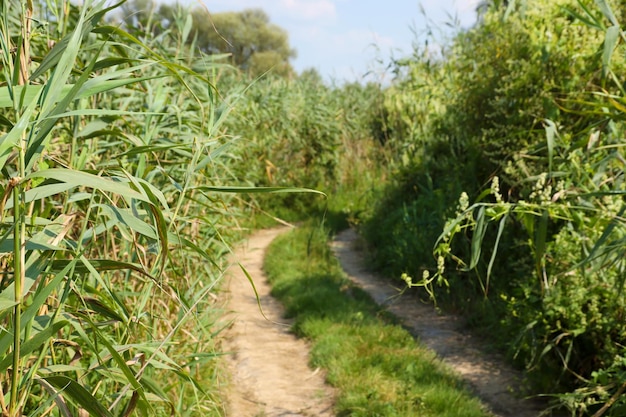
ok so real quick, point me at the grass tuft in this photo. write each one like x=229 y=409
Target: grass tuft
x=375 y=364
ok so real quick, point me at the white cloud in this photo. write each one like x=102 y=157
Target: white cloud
x=467 y=5
x=310 y=10
x=439 y=11
x=293 y=9
x=461 y=5
x=343 y=43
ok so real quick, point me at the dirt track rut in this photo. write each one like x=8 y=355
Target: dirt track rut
x=489 y=377
x=269 y=369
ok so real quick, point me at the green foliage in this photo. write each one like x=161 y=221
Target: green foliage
x=255 y=44
x=110 y=245
x=303 y=133
x=522 y=115
x=290 y=134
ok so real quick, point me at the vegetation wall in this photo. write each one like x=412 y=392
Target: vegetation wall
x=507 y=199
x=112 y=228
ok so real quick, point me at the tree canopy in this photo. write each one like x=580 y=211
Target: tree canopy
x=254 y=44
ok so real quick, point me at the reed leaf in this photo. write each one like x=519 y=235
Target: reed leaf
x=71 y=389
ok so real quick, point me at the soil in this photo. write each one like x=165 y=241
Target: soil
x=269 y=365
x=487 y=375
x=269 y=369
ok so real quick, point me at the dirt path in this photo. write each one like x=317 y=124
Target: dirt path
x=268 y=367
x=490 y=379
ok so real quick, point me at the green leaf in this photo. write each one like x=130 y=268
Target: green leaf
x=551 y=134
x=71 y=389
x=6 y=301
x=42 y=294
x=6 y=122
x=590 y=20
x=477 y=238
x=603 y=5
x=252 y=190
x=615 y=221
x=50 y=105
x=256 y=293
x=98 y=112
x=53 y=101
x=38 y=340
x=114 y=79
x=9 y=141
x=126 y=217
x=213 y=155
x=153 y=148
x=6 y=246
x=187 y=28
x=101 y=308
x=32 y=274
x=29 y=94
x=54 y=369
x=610 y=41
x=99 y=265
x=161 y=225
x=41 y=192
x=121 y=363
x=154 y=195
x=26 y=93
x=172 y=67
x=85 y=25
x=179 y=240
x=84 y=179
x=495 y=249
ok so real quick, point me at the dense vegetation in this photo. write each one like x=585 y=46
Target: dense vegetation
x=112 y=233
x=510 y=165
x=489 y=173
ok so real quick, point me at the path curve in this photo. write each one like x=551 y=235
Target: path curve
x=268 y=365
x=488 y=375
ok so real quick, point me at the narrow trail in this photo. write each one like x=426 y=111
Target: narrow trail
x=268 y=366
x=487 y=374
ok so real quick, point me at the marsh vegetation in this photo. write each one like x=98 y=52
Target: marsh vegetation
x=488 y=176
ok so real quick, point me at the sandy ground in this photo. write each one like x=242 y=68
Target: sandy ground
x=269 y=369
x=487 y=374
x=269 y=366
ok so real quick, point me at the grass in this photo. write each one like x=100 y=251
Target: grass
x=375 y=364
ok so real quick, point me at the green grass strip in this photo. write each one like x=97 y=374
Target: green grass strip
x=375 y=364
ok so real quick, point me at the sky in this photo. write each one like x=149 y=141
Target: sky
x=347 y=39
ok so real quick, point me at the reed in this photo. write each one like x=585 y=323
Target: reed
x=111 y=248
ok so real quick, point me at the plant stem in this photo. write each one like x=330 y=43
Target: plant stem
x=611 y=401
x=19 y=232
x=18 y=262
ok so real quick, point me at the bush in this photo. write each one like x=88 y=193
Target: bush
x=523 y=114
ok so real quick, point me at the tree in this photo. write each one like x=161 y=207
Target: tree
x=312 y=75
x=255 y=44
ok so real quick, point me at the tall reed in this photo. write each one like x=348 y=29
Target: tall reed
x=110 y=245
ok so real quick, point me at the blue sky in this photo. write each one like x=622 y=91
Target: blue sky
x=343 y=38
